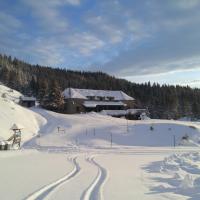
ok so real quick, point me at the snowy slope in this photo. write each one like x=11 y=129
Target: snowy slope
x=11 y=112
x=95 y=131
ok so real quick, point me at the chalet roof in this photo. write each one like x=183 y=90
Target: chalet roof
x=93 y=104
x=85 y=93
x=24 y=98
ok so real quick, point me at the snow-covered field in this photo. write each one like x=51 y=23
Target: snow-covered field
x=92 y=156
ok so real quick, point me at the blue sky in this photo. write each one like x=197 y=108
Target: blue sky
x=140 y=40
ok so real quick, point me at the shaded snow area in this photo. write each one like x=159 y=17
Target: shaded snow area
x=178 y=174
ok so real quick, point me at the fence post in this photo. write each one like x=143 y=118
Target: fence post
x=174 y=140
x=127 y=125
x=111 y=139
x=58 y=129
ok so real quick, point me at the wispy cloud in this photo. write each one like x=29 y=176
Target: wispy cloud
x=84 y=42
x=8 y=23
x=48 y=14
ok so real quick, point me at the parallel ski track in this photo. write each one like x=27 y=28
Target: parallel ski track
x=94 y=191
x=46 y=190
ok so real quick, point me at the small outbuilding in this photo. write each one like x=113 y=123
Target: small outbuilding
x=27 y=101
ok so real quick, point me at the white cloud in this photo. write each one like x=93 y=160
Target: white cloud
x=185 y=4
x=85 y=43
x=8 y=23
x=113 y=33
x=46 y=51
x=48 y=14
x=73 y=2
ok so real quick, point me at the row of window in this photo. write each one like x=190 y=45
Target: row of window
x=100 y=98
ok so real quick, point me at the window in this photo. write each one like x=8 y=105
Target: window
x=91 y=97
x=101 y=98
x=78 y=109
x=110 y=98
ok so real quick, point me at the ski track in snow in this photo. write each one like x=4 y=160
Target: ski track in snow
x=46 y=190
x=94 y=191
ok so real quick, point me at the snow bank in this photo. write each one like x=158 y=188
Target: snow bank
x=12 y=113
x=179 y=174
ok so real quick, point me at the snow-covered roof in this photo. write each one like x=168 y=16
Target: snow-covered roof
x=24 y=98
x=16 y=126
x=93 y=104
x=122 y=112
x=71 y=93
x=85 y=93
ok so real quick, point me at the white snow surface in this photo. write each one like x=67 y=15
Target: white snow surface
x=94 y=130
x=95 y=157
x=178 y=174
x=11 y=113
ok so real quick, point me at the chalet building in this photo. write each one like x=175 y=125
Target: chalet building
x=27 y=101
x=86 y=100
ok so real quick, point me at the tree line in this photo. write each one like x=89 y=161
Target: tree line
x=46 y=83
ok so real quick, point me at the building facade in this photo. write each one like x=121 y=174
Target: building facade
x=27 y=101
x=86 y=100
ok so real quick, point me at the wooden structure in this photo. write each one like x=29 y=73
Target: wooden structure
x=27 y=101
x=16 y=137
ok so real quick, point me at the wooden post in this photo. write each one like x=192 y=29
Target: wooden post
x=94 y=132
x=111 y=140
x=58 y=129
x=174 y=140
x=127 y=125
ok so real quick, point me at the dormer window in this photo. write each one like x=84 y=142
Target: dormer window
x=110 y=98
x=91 y=97
x=100 y=98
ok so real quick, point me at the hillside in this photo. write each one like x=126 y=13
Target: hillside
x=12 y=113
x=162 y=101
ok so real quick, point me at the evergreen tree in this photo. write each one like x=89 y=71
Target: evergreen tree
x=55 y=98
x=42 y=91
